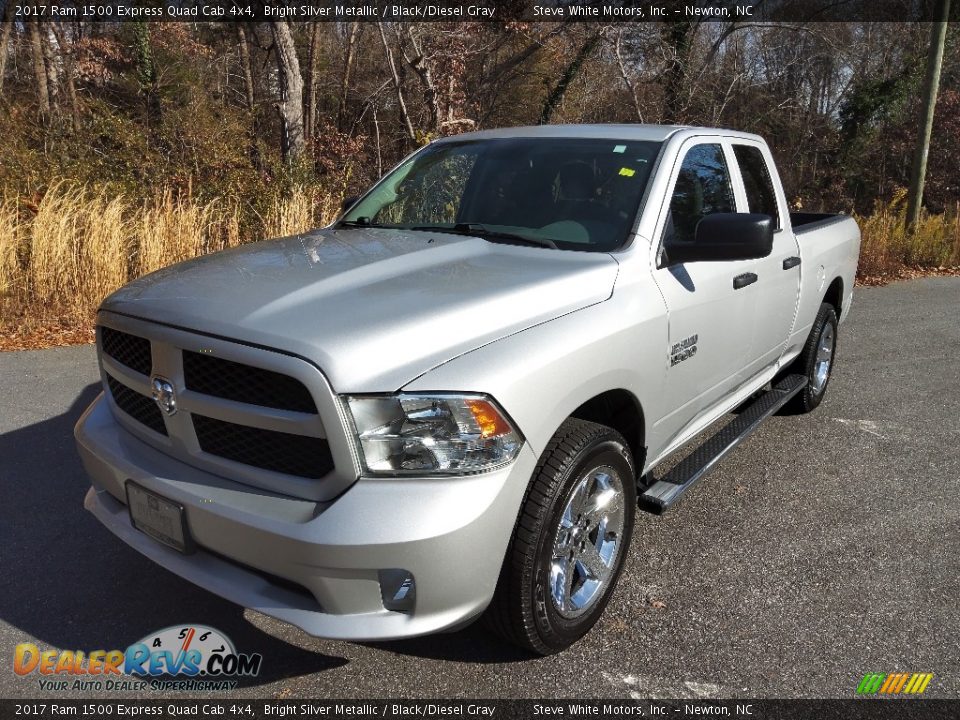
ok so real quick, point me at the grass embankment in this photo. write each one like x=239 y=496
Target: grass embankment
x=62 y=254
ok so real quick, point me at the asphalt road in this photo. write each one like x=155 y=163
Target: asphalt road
x=825 y=547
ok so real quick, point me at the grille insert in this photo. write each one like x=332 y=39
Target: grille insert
x=129 y=350
x=139 y=407
x=243 y=383
x=280 y=452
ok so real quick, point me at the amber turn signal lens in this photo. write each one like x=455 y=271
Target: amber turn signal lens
x=490 y=421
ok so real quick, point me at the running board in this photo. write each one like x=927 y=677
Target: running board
x=663 y=493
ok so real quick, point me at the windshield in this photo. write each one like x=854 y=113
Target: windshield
x=569 y=193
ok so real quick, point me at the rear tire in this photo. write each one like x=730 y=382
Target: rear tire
x=570 y=541
x=816 y=361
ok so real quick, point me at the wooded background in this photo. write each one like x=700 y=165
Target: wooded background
x=263 y=128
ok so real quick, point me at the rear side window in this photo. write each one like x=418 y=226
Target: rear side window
x=702 y=188
x=756 y=181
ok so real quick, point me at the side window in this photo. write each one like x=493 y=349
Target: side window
x=761 y=197
x=702 y=188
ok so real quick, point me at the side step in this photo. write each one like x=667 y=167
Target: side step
x=665 y=492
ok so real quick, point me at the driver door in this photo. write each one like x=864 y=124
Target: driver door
x=710 y=321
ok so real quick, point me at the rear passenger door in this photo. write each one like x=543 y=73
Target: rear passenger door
x=778 y=275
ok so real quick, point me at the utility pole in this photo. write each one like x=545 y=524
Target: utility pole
x=931 y=84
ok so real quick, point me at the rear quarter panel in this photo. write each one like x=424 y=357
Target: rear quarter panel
x=830 y=250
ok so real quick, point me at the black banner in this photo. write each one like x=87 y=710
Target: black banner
x=605 y=11
x=853 y=709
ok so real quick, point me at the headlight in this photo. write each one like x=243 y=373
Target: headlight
x=435 y=434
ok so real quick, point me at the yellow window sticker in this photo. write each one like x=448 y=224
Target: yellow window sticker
x=627 y=172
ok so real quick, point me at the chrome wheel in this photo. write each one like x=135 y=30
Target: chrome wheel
x=824 y=359
x=587 y=541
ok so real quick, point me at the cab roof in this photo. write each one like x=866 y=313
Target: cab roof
x=654 y=133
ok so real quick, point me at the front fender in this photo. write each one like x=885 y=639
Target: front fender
x=542 y=374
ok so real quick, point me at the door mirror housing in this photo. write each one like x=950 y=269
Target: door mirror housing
x=724 y=236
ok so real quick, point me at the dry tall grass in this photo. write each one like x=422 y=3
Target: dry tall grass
x=172 y=230
x=9 y=248
x=60 y=257
x=888 y=247
x=298 y=212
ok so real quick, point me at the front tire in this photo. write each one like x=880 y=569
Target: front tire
x=570 y=541
x=816 y=360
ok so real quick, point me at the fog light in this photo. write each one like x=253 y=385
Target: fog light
x=398 y=590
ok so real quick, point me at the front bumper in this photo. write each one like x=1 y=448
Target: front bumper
x=450 y=534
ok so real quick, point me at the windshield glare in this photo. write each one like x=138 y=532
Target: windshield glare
x=581 y=194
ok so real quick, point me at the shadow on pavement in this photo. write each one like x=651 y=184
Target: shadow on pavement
x=69 y=583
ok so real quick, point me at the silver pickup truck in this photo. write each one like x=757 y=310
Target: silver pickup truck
x=451 y=402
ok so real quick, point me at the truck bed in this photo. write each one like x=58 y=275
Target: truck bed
x=803 y=222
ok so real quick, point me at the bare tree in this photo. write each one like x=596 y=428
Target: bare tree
x=625 y=76
x=397 y=84
x=931 y=85
x=6 y=26
x=67 y=54
x=39 y=71
x=245 y=65
x=567 y=76
x=313 y=65
x=678 y=37
x=290 y=105
x=348 y=60
x=421 y=68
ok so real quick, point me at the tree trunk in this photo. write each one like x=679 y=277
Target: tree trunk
x=50 y=63
x=418 y=63
x=631 y=88
x=290 y=106
x=246 y=67
x=147 y=74
x=39 y=71
x=314 y=63
x=678 y=37
x=347 y=70
x=931 y=85
x=67 y=53
x=6 y=26
x=397 y=86
x=556 y=97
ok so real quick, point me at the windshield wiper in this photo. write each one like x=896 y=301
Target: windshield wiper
x=482 y=231
x=361 y=222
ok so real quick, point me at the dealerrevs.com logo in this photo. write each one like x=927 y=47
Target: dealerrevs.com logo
x=180 y=657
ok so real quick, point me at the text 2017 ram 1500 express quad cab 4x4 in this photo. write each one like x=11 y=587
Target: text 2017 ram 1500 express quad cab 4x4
x=450 y=402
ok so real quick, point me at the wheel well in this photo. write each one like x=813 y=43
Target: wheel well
x=619 y=410
x=834 y=295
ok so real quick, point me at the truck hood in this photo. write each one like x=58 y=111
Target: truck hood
x=373 y=308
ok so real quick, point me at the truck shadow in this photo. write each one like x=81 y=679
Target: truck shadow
x=69 y=584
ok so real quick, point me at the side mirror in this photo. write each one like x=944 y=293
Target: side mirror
x=348 y=202
x=725 y=236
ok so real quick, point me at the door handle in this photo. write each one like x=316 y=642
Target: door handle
x=743 y=280
x=791 y=262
